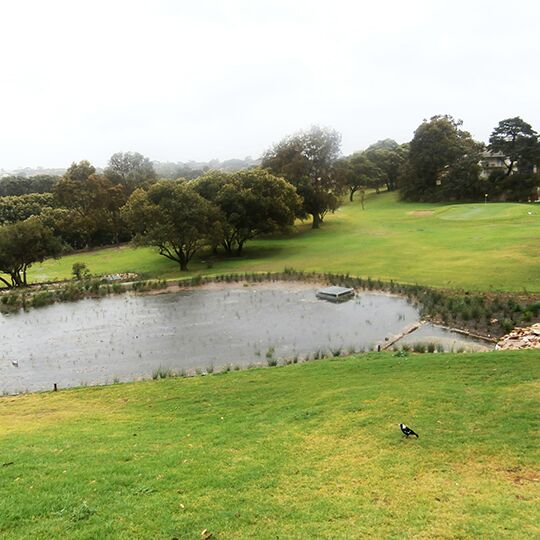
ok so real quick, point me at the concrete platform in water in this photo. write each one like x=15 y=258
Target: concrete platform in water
x=335 y=293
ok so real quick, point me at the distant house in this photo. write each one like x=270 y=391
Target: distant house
x=493 y=162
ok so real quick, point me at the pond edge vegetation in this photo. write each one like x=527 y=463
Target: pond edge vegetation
x=486 y=315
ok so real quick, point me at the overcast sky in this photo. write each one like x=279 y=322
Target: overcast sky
x=181 y=80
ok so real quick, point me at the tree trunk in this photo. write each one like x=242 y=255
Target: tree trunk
x=239 y=249
x=351 y=195
x=316 y=220
x=16 y=279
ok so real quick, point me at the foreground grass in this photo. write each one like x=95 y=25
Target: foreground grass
x=303 y=451
x=473 y=246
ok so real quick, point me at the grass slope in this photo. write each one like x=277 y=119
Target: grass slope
x=304 y=451
x=476 y=246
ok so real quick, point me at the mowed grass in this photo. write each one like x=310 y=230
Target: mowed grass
x=472 y=246
x=304 y=451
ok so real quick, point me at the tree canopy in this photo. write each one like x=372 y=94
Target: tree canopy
x=173 y=217
x=308 y=161
x=443 y=163
x=518 y=142
x=360 y=173
x=388 y=156
x=22 y=244
x=131 y=170
x=255 y=202
x=94 y=204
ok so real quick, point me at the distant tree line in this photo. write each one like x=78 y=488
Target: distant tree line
x=21 y=185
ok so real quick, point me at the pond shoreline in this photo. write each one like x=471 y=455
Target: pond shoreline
x=486 y=316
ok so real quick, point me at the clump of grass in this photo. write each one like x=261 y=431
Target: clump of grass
x=507 y=325
x=43 y=298
x=270 y=352
x=82 y=512
x=162 y=373
x=419 y=347
x=430 y=347
x=439 y=347
x=271 y=361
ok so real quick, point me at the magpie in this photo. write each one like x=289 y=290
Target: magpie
x=407 y=431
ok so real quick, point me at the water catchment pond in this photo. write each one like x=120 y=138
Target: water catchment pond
x=129 y=337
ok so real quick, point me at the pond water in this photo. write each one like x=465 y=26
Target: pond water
x=128 y=337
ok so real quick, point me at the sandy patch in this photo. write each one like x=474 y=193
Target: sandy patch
x=421 y=213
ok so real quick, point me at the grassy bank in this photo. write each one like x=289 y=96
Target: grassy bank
x=473 y=246
x=301 y=451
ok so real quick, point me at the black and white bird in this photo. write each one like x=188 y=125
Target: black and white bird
x=407 y=431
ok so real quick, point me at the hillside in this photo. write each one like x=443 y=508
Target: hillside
x=473 y=246
x=304 y=451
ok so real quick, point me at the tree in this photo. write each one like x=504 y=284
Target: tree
x=388 y=156
x=94 y=201
x=360 y=173
x=22 y=185
x=22 y=244
x=518 y=142
x=255 y=202
x=308 y=161
x=131 y=170
x=21 y=207
x=442 y=163
x=173 y=217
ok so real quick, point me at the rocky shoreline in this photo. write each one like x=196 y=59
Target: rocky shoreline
x=521 y=338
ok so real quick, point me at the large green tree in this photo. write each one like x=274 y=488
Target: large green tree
x=255 y=202
x=518 y=142
x=360 y=173
x=94 y=202
x=22 y=244
x=131 y=170
x=442 y=163
x=173 y=217
x=308 y=161
x=388 y=156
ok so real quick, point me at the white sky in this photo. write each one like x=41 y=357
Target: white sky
x=180 y=80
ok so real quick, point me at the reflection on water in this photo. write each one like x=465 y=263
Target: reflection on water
x=96 y=341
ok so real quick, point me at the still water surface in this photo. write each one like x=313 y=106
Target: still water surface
x=128 y=337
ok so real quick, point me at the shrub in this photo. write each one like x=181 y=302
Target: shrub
x=79 y=270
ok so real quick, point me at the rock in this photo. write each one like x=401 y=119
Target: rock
x=521 y=338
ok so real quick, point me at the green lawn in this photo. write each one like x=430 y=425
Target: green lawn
x=473 y=246
x=304 y=451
